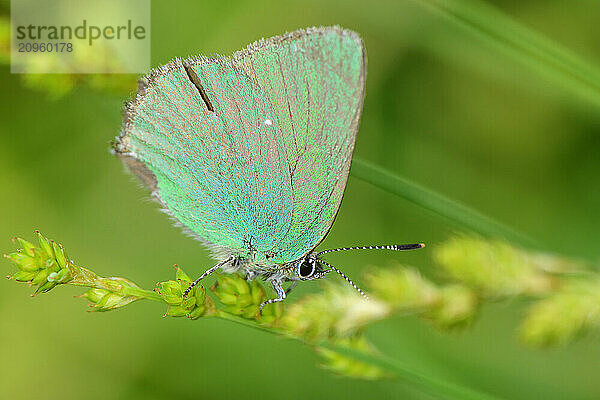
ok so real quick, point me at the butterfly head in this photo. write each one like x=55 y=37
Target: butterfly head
x=311 y=266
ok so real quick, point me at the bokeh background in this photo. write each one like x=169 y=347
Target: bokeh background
x=443 y=108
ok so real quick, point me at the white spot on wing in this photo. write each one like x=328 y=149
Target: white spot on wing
x=268 y=122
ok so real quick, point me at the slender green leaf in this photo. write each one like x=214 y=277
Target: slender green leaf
x=436 y=387
x=428 y=384
x=525 y=45
x=435 y=202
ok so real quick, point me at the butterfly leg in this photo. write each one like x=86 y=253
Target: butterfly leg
x=251 y=275
x=292 y=286
x=205 y=274
x=280 y=293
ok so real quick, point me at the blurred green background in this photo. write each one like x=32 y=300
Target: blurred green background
x=443 y=108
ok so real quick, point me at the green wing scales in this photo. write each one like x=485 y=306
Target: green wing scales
x=315 y=81
x=252 y=152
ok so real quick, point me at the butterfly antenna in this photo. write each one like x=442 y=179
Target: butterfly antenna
x=394 y=247
x=359 y=290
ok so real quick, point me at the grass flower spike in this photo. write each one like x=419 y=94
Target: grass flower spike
x=333 y=322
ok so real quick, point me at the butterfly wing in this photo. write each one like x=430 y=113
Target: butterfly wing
x=315 y=82
x=196 y=135
x=252 y=152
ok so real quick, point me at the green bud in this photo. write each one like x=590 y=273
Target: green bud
x=239 y=285
x=249 y=312
x=171 y=292
x=47 y=270
x=456 y=308
x=45 y=245
x=224 y=285
x=336 y=312
x=182 y=276
x=111 y=301
x=28 y=248
x=257 y=293
x=41 y=277
x=242 y=287
x=54 y=267
x=59 y=252
x=197 y=312
x=95 y=295
x=203 y=304
x=199 y=294
x=52 y=277
x=114 y=284
x=494 y=267
x=189 y=302
x=23 y=261
x=24 y=276
x=177 y=311
x=403 y=288
x=171 y=299
x=61 y=276
x=226 y=298
x=271 y=314
x=50 y=263
x=240 y=297
x=18 y=257
x=562 y=317
x=347 y=366
x=45 y=287
x=225 y=290
x=194 y=305
x=64 y=276
x=106 y=300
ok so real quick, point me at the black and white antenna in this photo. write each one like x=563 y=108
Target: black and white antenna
x=393 y=247
x=359 y=290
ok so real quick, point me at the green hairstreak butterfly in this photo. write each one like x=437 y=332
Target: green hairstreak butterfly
x=251 y=153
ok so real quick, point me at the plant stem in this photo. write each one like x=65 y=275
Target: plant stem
x=435 y=202
x=523 y=44
x=144 y=294
x=435 y=387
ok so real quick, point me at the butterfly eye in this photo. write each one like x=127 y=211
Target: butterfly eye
x=306 y=269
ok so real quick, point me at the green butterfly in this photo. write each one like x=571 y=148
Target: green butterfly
x=251 y=153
